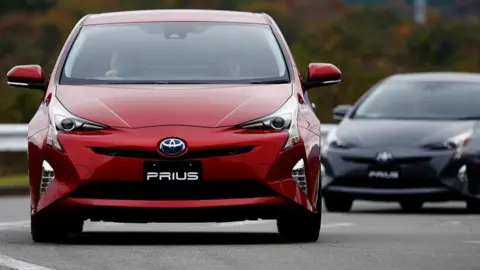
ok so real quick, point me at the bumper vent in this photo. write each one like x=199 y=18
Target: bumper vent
x=395 y=162
x=382 y=183
x=298 y=174
x=48 y=175
x=139 y=190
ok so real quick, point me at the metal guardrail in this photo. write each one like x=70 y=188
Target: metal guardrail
x=325 y=129
x=13 y=137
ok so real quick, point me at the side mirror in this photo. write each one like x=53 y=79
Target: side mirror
x=314 y=107
x=27 y=76
x=340 y=111
x=322 y=74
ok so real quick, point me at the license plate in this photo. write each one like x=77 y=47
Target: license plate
x=172 y=171
x=384 y=174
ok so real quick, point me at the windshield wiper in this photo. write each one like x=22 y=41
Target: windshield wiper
x=157 y=82
x=279 y=81
x=139 y=82
x=468 y=118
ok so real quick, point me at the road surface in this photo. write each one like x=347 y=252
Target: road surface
x=374 y=236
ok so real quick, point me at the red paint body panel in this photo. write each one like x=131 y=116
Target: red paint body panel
x=138 y=106
x=32 y=73
x=171 y=204
x=81 y=165
x=206 y=117
x=323 y=71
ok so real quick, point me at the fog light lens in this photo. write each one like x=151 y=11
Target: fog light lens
x=298 y=174
x=462 y=174
x=47 y=177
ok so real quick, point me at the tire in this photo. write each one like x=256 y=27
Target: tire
x=302 y=226
x=473 y=179
x=411 y=205
x=49 y=228
x=473 y=206
x=338 y=203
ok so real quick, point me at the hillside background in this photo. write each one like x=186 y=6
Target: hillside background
x=367 y=39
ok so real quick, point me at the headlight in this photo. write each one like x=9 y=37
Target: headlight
x=458 y=140
x=284 y=118
x=62 y=120
x=335 y=142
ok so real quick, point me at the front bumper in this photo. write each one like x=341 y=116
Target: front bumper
x=143 y=211
x=102 y=173
x=471 y=176
x=428 y=175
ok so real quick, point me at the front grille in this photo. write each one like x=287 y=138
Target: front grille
x=133 y=153
x=142 y=190
x=387 y=183
x=395 y=162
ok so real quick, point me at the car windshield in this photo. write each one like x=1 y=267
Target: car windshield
x=421 y=100
x=175 y=52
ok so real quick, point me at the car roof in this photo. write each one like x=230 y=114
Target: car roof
x=182 y=15
x=437 y=77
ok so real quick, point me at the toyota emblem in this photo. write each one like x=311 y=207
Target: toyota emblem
x=172 y=147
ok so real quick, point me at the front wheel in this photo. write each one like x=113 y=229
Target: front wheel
x=301 y=226
x=338 y=203
x=411 y=205
x=50 y=228
x=473 y=206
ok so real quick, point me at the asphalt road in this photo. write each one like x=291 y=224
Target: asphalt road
x=373 y=236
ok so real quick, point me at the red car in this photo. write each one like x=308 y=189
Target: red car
x=174 y=116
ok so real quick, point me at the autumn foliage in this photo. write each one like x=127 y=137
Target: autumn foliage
x=366 y=43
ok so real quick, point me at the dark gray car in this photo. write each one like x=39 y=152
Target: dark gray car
x=409 y=139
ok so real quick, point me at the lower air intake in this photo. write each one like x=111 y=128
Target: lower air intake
x=143 y=190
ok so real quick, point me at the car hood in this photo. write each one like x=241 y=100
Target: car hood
x=399 y=132
x=136 y=106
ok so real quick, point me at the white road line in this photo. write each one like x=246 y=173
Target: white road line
x=15 y=224
x=337 y=225
x=242 y=223
x=19 y=265
x=451 y=223
x=105 y=224
x=26 y=223
x=472 y=242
